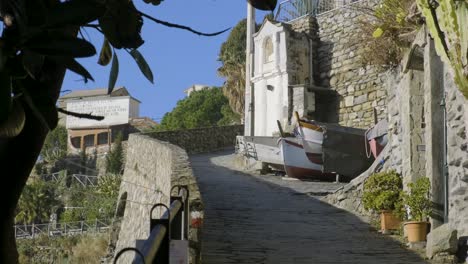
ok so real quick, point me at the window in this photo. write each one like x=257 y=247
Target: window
x=89 y=141
x=76 y=142
x=267 y=50
x=103 y=138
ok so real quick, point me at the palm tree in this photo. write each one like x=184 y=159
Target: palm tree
x=232 y=56
x=36 y=203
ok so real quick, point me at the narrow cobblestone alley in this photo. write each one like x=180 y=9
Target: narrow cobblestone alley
x=250 y=220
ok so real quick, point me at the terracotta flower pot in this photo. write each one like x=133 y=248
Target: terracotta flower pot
x=388 y=221
x=416 y=231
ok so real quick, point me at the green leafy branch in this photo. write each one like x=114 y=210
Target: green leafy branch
x=42 y=35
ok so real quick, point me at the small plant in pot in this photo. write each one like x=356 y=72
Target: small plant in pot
x=419 y=206
x=382 y=194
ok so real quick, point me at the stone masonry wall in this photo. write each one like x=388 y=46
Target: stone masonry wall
x=457 y=156
x=146 y=181
x=182 y=174
x=360 y=89
x=152 y=168
x=202 y=140
x=404 y=154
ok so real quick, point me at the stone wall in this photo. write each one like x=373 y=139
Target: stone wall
x=146 y=181
x=457 y=156
x=349 y=197
x=338 y=58
x=182 y=174
x=152 y=168
x=417 y=141
x=202 y=140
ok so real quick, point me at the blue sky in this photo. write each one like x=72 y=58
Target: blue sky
x=177 y=58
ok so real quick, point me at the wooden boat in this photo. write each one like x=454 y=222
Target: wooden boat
x=338 y=149
x=264 y=149
x=377 y=138
x=311 y=135
x=296 y=163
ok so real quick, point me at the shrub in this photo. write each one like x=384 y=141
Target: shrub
x=382 y=191
x=55 y=145
x=386 y=32
x=115 y=158
x=90 y=249
x=418 y=199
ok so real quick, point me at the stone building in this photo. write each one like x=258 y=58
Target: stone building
x=120 y=111
x=428 y=119
x=280 y=63
x=313 y=65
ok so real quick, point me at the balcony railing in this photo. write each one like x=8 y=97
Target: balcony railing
x=61 y=229
x=293 y=9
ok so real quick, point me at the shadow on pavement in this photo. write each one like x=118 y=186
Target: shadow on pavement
x=249 y=221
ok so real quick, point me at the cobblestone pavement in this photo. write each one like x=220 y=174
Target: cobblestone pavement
x=252 y=219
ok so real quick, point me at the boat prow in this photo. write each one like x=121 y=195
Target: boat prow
x=297 y=164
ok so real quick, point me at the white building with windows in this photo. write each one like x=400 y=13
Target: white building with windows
x=118 y=109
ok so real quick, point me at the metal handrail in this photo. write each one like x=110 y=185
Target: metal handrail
x=173 y=225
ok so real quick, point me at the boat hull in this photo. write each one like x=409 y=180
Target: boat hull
x=312 y=142
x=296 y=163
x=312 y=139
x=264 y=149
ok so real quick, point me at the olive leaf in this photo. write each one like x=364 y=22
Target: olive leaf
x=153 y=2
x=142 y=64
x=121 y=24
x=5 y=96
x=74 y=12
x=114 y=73
x=14 y=124
x=74 y=66
x=61 y=46
x=378 y=33
x=266 y=5
x=32 y=63
x=42 y=106
x=105 y=55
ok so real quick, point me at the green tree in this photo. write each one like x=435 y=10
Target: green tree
x=201 y=109
x=232 y=57
x=36 y=203
x=55 y=145
x=93 y=203
x=115 y=158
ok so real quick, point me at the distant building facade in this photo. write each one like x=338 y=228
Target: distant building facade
x=119 y=109
x=196 y=87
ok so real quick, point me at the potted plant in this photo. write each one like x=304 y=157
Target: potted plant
x=382 y=193
x=419 y=206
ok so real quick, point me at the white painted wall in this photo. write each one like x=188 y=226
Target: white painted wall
x=134 y=108
x=116 y=111
x=270 y=104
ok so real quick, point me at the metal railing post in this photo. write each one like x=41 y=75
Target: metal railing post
x=163 y=254
x=177 y=221
x=186 y=214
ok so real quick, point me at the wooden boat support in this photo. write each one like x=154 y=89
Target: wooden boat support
x=172 y=226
